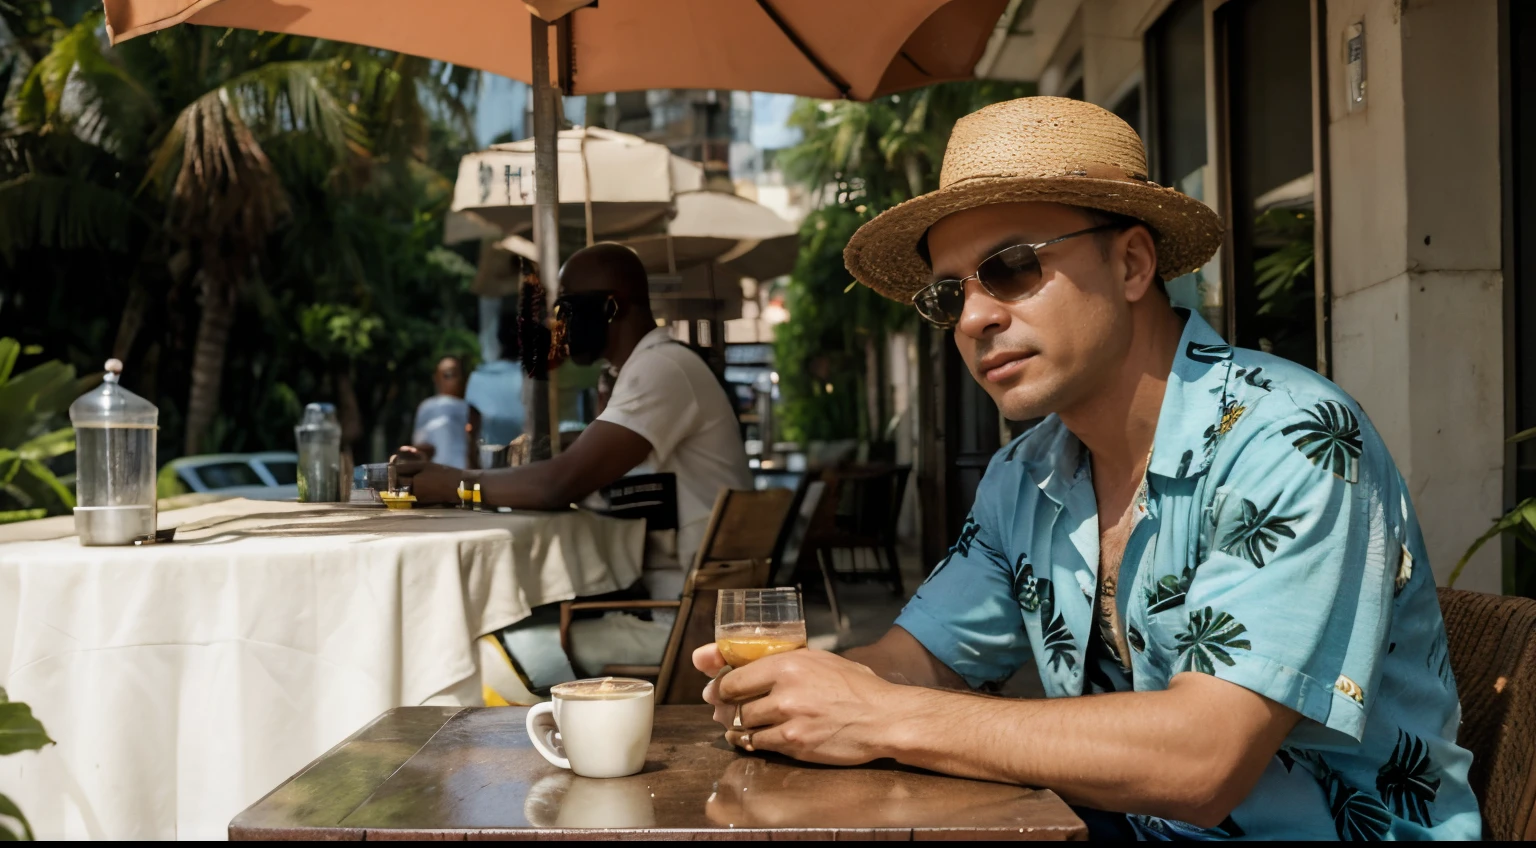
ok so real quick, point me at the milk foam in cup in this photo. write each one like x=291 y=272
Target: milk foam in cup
x=596 y=728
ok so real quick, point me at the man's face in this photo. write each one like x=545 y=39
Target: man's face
x=449 y=377
x=1050 y=350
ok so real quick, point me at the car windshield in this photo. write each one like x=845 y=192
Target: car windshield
x=228 y=475
x=283 y=472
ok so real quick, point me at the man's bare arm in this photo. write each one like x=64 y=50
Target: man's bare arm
x=1191 y=752
x=900 y=658
x=601 y=455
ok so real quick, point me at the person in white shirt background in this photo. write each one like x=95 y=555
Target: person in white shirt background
x=667 y=415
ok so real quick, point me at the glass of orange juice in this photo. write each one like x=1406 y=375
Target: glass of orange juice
x=753 y=623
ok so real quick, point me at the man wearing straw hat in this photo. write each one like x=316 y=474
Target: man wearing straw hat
x=1207 y=552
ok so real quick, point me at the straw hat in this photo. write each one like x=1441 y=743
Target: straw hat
x=1045 y=149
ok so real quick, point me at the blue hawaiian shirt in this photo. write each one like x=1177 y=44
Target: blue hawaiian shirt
x=1273 y=547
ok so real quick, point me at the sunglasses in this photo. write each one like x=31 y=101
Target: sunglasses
x=1009 y=275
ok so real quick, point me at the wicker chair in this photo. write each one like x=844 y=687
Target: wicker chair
x=1493 y=654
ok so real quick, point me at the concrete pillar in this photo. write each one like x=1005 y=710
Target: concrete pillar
x=1416 y=281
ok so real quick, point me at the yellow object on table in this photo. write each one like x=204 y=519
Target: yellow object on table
x=397 y=500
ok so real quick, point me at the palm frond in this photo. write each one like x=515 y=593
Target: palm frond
x=63 y=212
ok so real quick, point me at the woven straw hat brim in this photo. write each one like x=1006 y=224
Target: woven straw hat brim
x=883 y=253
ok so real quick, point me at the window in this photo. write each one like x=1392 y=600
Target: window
x=1266 y=53
x=1176 y=126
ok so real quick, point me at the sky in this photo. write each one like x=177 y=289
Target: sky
x=504 y=102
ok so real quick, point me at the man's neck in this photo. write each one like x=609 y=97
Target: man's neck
x=630 y=331
x=1118 y=422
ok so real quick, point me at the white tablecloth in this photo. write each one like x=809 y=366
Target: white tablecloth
x=184 y=681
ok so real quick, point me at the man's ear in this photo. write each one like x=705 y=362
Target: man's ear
x=1138 y=255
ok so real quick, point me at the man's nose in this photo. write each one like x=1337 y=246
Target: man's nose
x=981 y=316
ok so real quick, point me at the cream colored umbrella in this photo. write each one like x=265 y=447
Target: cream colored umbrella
x=611 y=183
x=746 y=237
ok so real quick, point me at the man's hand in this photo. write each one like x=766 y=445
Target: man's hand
x=810 y=705
x=429 y=482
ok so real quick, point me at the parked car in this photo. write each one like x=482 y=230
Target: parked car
x=268 y=476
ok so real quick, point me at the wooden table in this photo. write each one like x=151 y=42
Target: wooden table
x=471 y=773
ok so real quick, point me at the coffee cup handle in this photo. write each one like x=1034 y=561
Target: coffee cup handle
x=542 y=732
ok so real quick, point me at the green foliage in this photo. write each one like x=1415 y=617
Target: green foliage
x=860 y=159
x=308 y=177
x=19 y=731
x=32 y=404
x=1276 y=274
x=1519 y=522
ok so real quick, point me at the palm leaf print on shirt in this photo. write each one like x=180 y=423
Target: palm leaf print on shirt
x=1210 y=639
x=1407 y=781
x=1356 y=815
x=1037 y=595
x=1169 y=592
x=1208 y=354
x=1257 y=531
x=1331 y=439
x=962 y=546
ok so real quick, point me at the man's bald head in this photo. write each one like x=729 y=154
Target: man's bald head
x=606 y=267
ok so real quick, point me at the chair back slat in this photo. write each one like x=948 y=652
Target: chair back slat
x=1492 y=642
x=737 y=553
x=748 y=525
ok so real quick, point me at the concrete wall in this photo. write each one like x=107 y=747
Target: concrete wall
x=1416 y=282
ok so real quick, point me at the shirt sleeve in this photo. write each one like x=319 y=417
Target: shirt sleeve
x=966 y=613
x=654 y=398
x=1292 y=598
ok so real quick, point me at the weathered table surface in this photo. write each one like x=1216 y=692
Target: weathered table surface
x=449 y=773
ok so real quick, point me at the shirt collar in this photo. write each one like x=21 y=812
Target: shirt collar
x=1194 y=403
x=1192 y=409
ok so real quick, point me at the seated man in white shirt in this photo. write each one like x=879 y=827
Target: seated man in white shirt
x=667 y=414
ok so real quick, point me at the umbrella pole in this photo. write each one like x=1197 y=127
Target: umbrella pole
x=544 y=407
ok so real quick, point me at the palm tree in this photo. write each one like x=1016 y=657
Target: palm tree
x=190 y=117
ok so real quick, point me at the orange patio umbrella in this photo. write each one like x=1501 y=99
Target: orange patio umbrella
x=856 y=49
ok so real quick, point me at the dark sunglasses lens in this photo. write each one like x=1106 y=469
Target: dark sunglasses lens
x=1012 y=273
x=941 y=303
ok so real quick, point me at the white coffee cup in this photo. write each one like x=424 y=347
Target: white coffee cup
x=596 y=728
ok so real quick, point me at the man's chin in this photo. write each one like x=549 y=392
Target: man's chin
x=1025 y=402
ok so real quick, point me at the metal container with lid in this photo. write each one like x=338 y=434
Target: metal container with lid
x=115 y=432
x=319 y=436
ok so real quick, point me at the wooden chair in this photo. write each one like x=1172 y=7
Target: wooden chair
x=737 y=553
x=796 y=559
x=1493 y=655
x=859 y=511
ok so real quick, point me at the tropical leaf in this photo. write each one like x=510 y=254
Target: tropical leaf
x=1357 y=816
x=1169 y=591
x=10 y=349
x=1520 y=522
x=63 y=212
x=1330 y=438
x=8 y=809
x=19 y=730
x=1211 y=638
x=1029 y=588
x=1059 y=644
x=1407 y=781
x=48 y=445
x=12 y=516
x=1208 y=354
x=1257 y=531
